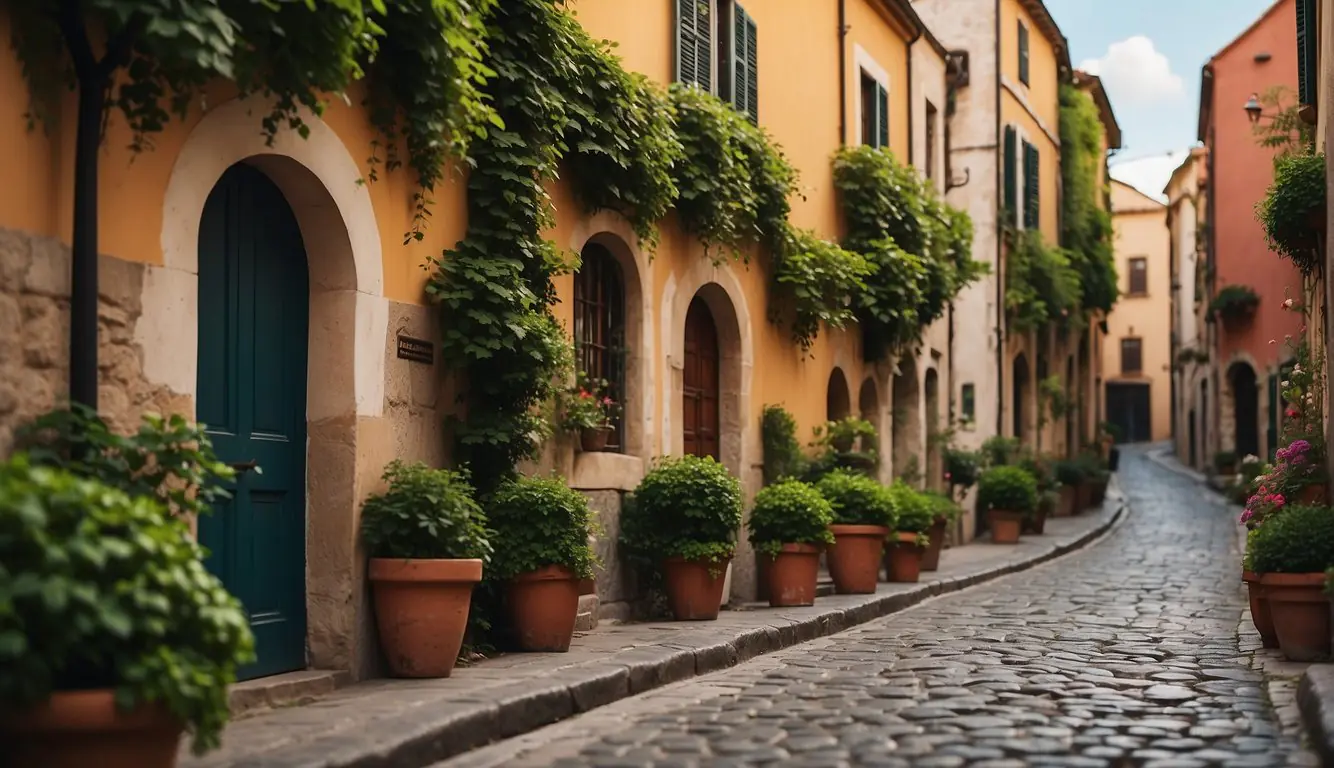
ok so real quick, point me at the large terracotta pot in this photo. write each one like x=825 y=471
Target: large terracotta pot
x=595 y=439
x=544 y=604
x=1260 y=615
x=903 y=559
x=1005 y=526
x=793 y=574
x=936 y=534
x=1083 y=496
x=1300 y=608
x=421 y=610
x=1065 y=506
x=695 y=587
x=1314 y=494
x=854 y=557
x=79 y=729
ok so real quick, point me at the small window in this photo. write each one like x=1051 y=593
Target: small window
x=1023 y=53
x=1139 y=276
x=1132 y=360
x=717 y=48
x=968 y=396
x=599 y=326
x=930 y=140
x=875 y=112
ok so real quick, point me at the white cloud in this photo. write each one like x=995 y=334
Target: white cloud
x=1135 y=72
x=1149 y=174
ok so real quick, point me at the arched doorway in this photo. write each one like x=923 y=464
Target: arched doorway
x=254 y=301
x=1019 y=397
x=1245 y=409
x=700 y=387
x=935 y=473
x=906 y=422
x=838 y=397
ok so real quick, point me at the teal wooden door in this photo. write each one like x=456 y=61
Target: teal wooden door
x=253 y=315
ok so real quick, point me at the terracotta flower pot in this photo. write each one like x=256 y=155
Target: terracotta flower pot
x=1314 y=494
x=421 y=610
x=1005 y=526
x=854 y=557
x=1037 y=523
x=588 y=587
x=793 y=573
x=903 y=559
x=544 y=605
x=1300 y=608
x=1099 y=493
x=594 y=439
x=77 y=729
x=695 y=587
x=1069 y=500
x=1260 y=615
x=1083 y=496
x=936 y=534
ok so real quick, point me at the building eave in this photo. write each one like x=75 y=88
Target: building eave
x=1052 y=31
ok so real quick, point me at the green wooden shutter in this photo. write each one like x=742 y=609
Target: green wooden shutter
x=881 y=116
x=1032 y=188
x=745 y=64
x=694 y=43
x=1023 y=53
x=1308 y=74
x=1011 y=198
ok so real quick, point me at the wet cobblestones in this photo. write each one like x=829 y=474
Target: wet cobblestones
x=1122 y=654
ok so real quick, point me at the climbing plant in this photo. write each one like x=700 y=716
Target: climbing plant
x=1086 y=222
x=919 y=248
x=1041 y=286
x=819 y=281
x=1292 y=211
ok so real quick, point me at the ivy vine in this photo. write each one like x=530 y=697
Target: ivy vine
x=1292 y=211
x=1086 y=221
x=1041 y=285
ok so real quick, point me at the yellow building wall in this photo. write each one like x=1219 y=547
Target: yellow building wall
x=1049 y=165
x=798 y=107
x=1043 y=89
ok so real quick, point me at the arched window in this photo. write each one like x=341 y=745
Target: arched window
x=599 y=327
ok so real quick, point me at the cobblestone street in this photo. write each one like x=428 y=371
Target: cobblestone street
x=1125 y=653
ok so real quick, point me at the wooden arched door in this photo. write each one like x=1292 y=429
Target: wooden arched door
x=699 y=392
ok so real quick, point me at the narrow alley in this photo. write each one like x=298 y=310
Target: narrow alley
x=1125 y=653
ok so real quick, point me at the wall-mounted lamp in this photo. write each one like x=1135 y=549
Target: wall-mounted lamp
x=1253 y=109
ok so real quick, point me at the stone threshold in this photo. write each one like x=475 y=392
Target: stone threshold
x=285 y=690
x=405 y=723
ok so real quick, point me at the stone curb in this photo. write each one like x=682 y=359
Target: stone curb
x=1315 y=699
x=439 y=732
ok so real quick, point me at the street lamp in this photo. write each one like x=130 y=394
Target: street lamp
x=1253 y=109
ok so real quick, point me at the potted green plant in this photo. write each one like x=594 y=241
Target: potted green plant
x=1260 y=615
x=1094 y=485
x=1040 y=467
x=863 y=514
x=113 y=635
x=589 y=411
x=683 y=518
x=842 y=435
x=1069 y=476
x=1292 y=550
x=789 y=524
x=1225 y=463
x=908 y=542
x=944 y=512
x=961 y=468
x=1234 y=305
x=542 y=530
x=1292 y=211
x=428 y=542
x=1007 y=495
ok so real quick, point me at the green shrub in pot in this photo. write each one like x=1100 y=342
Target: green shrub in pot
x=856 y=499
x=1292 y=551
x=1070 y=473
x=789 y=512
x=102 y=590
x=1300 y=539
x=1008 y=489
x=426 y=514
x=916 y=512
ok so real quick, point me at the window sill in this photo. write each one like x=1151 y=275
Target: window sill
x=606 y=471
x=1137 y=295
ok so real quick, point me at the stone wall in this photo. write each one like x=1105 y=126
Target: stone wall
x=34 y=337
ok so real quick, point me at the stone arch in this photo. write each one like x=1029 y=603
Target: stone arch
x=935 y=472
x=838 y=396
x=637 y=398
x=1241 y=401
x=906 y=418
x=347 y=337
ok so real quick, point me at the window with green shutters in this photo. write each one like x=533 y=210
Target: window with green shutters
x=875 y=112
x=1032 y=187
x=745 y=64
x=1308 y=72
x=1011 y=177
x=709 y=31
x=1023 y=53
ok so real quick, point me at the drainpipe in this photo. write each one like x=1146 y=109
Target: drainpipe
x=1000 y=246
x=912 y=103
x=843 y=72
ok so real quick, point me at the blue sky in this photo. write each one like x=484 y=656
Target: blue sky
x=1149 y=54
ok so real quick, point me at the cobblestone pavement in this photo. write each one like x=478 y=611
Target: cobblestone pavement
x=1122 y=654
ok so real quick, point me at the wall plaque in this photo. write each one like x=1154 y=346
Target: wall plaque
x=416 y=350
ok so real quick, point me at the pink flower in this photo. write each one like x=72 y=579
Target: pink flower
x=1287 y=304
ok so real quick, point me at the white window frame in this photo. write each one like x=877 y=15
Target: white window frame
x=863 y=62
